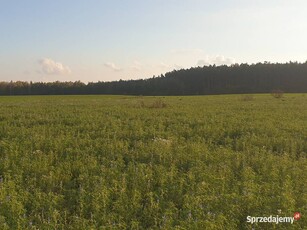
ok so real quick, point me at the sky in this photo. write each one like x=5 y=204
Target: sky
x=99 y=40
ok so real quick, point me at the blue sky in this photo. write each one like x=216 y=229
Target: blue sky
x=110 y=40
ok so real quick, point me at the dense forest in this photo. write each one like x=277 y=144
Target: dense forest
x=235 y=79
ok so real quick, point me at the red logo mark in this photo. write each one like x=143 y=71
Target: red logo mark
x=297 y=216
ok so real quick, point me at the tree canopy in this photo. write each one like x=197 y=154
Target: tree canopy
x=235 y=79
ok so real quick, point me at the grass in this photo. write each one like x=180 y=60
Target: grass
x=121 y=162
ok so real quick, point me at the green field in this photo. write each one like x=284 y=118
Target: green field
x=121 y=162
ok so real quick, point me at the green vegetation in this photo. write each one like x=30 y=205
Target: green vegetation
x=207 y=80
x=115 y=162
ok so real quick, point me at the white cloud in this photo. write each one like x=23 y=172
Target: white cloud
x=112 y=66
x=137 y=66
x=217 y=60
x=171 y=67
x=48 y=66
x=177 y=67
x=163 y=65
x=203 y=62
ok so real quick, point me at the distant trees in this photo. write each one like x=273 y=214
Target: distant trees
x=41 y=88
x=256 y=78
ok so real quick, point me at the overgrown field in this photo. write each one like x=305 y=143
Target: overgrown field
x=116 y=162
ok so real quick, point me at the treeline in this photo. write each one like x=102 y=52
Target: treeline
x=235 y=79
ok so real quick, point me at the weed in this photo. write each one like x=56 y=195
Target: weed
x=277 y=93
x=248 y=97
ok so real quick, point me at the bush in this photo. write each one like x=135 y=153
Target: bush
x=277 y=93
x=247 y=98
x=158 y=104
x=141 y=104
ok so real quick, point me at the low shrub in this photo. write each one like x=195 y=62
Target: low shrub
x=277 y=93
x=247 y=97
x=158 y=104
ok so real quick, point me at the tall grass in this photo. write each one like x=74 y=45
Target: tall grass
x=90 y=162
